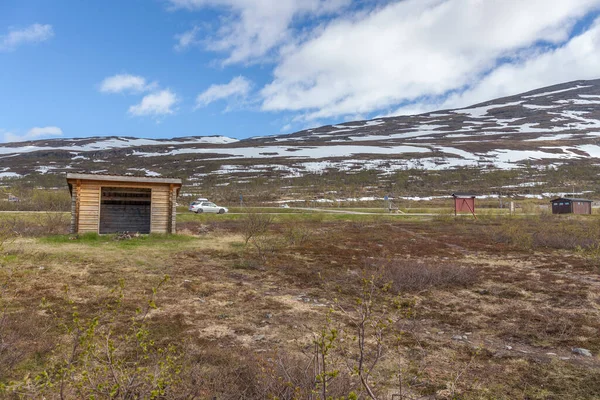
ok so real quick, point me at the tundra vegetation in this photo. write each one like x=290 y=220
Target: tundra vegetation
x=332 y=184
x=303 y=306
x=42 y=192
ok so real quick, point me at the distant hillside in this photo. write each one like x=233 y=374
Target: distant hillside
x=545 y=130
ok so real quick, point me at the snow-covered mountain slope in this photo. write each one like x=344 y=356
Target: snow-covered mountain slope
x=549 y=126
x=106 y=143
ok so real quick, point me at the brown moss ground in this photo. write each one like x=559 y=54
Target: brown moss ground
x=521 y=318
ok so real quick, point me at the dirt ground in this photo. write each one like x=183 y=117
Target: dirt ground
x=502 y=326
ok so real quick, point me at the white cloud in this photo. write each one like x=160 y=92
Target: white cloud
x=45 y=131
x=155 y=104
x=33 y=134
x=125 y=83
x=254 y=28
x=417 y=51
x=186 y=39
x=239 y=87
x=579 y=58
x=158 y=103
x=32 y=34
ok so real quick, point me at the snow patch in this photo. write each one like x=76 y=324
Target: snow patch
x=118 y=143
x=560 y=136
x=295 y=152
x=9 y=175
x=146 y=171
x=538 y=107
x=479 y=112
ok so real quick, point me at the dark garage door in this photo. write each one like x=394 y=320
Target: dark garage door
x=125 y=210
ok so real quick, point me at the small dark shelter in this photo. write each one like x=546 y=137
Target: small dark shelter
x=568 y=205
x=464 y=202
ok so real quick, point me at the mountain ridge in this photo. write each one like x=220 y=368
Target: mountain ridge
x=547 y=127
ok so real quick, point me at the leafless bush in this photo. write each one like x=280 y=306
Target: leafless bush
x=54 y=223
x=7 y=230
x=240 y=374
x=50 y=223
x=19 y=337
x=98 y=359
x=297 y=235
x=255 y=228
x=293 y=377
x=542 y=326
x=373 y=320
x=213 y=373
x=20 y=331
x=548 y=232
x=567 y=237
x=415 y=276
x=265 y=246
x=38 y=200
x=255 y=224
x=510 y=232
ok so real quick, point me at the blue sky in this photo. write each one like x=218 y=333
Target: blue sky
x=240 y=68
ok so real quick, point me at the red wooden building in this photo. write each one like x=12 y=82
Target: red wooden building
x=464 y=202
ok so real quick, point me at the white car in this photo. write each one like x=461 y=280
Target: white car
x=195 y=203
x=207 y=207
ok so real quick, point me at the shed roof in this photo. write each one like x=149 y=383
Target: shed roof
x=463 y=195
x=122 y=178
x=571 y=199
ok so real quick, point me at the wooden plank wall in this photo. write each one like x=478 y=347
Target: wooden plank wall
x=89 y=207
x=163 y=205
x=582 y=207
x=160 y=209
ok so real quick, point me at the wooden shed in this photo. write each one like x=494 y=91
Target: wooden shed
x=113 y=203
x=568 y=205
x=464 y=202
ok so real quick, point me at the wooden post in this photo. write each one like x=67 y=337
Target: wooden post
x=73 y=208
x=77 y=204
x=172 y=210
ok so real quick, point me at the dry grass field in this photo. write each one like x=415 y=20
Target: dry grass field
x=265 y=307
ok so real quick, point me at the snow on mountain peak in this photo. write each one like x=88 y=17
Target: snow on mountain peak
x=546 y=126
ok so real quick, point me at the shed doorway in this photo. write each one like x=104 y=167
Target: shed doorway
x=125 y=209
